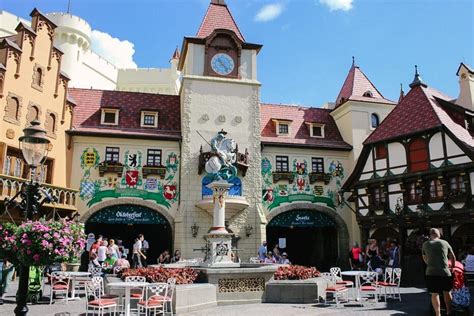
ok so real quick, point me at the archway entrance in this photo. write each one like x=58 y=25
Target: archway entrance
x=463 y=238
x=125 y=222
x=309 y=237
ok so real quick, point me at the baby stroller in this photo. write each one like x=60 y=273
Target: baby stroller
x=35 y=284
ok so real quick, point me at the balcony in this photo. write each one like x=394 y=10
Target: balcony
x=9 y=186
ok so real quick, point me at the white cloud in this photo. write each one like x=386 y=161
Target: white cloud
x=269 y=12
x=344 y=5
x=118 y=52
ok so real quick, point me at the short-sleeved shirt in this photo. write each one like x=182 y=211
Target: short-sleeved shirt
x=437 y=253
x=137 y=246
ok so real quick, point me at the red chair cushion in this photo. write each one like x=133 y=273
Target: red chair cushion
x=60 y=287
x=160 y=298
x=149 y=303
x=392 y=284
x=382 y=283
x=102 y=302
x=368 y=288
x=335 y=288
x=136 y=295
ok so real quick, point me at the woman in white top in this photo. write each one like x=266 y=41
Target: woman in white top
x=469 y=262
x=102 y=252
x=113 y=249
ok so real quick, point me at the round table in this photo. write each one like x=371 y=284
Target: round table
x=74 y=276
x=127 y=286
x=356 y=275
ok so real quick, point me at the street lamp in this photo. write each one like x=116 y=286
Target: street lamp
x=34 y=146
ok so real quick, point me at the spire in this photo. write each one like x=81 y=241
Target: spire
x=176 y=54
x=417 y=81
x=402 y=93
x=353 y=62
x=218 y=16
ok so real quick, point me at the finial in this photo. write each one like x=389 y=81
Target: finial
x=417 y=81
x=176 y=53
x=402 y=93
x=220 y=2
x=353 y=61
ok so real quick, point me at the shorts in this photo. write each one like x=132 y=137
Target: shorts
x=437 y=284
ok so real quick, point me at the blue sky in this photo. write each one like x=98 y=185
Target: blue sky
x=308 y=44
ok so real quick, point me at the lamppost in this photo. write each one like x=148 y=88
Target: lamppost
x=34 y=145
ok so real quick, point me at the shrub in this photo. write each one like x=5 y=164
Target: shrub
x=161 y=274
x=295 y=272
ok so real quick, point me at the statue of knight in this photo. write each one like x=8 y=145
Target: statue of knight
x=221 y=165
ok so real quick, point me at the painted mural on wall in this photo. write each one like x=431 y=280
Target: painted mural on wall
x=298 y=188
x=130 y=179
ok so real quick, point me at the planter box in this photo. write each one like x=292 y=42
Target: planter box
x=110 y=169
x=158 y=171
x=295 y=291
x=277 y=176
x=322 y=177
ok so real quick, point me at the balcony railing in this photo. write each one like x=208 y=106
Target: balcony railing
x=10 y=186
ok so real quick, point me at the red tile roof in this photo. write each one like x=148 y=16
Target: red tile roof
x=218 y=16
x=87 y=113
x=299 y=131
x=418 y=111
x=354 y=87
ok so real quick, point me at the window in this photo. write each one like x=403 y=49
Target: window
x=317 y=165
x=12 y=110
x=149 y=119
x=317 y=131
x=50 y=124
x=456 y=184
x=281 y=163
x=368 y=94
x=380 y=151
x=414 y=193
x=33 y=114
x=154 y=157
x=112 y=154
x=436 y=189
x=38 y=77
x=109 y=116
x=378 y=197
x=374 y=120
x=418 y=155
x=283 y=129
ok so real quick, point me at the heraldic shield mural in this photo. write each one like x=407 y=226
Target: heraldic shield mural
x=300 y=185
x=114 y=179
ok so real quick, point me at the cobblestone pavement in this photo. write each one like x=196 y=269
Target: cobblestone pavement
x=415 y=301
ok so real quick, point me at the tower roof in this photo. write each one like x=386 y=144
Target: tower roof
x=218 y=16
x=359 y=88
x=176 y=54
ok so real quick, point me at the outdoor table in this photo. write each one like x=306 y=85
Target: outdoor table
x=128 y=286
x=74 y=276
x=356 y=275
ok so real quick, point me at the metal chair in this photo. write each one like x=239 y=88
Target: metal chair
x=338 y=291
x=60 y=282
x=100 y=281
x=387 y=280
x=136 y=293
x=368 y=284
x=95 y=301
x=154 y=294
x=396 y=280
x=168 y=299
x=95 y=271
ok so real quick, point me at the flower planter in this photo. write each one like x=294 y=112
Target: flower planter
x=151 y=170
x=322 y=177
x=295 y=291
x=72 y=267
x=103 y=169
x=277 y=176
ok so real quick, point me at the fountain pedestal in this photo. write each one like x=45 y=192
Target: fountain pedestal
x=219 y=241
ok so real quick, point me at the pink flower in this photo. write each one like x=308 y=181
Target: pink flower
x=36 y=257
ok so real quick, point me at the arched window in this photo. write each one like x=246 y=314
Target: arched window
x=13 y=108
x=33 y=114
x=367 y=94
x=38 y=76
x=374 y=120
x=51 y=124
x=418 y=158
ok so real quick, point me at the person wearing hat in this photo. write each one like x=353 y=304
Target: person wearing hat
x=284 y=259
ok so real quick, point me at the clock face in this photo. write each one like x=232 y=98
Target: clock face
x=222 y=64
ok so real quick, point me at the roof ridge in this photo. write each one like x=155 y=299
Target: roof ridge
x=294 y=106
x=120 y=91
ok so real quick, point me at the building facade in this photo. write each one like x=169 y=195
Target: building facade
x=416 y=170
x=32 y=87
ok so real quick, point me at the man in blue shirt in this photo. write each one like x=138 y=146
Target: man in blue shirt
x=262 y=251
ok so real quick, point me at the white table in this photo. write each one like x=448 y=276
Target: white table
x=127 y=286
x=74 y=276
x=356 y=275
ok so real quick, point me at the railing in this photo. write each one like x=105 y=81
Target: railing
x=9 y=186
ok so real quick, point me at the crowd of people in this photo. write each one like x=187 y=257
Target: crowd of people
x=276 y=256
x=374 y=257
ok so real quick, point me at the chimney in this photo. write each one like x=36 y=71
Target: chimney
x=466 y=87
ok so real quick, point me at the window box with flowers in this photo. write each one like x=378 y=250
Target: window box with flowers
x=279 y=175
x=317 y=176
x=110 y=167
x=154 y=170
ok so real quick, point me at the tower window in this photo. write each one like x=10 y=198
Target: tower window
x=368 y=94
x=374 y=120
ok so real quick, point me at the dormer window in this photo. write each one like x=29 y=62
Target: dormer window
x=149 y=119
x=282 y=127
x=109 y=117
x=316 y=130
x=368 y=94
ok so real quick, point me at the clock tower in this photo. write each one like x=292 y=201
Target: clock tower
x=219 y=91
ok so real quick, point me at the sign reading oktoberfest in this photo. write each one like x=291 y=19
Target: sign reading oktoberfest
x=127 y=214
